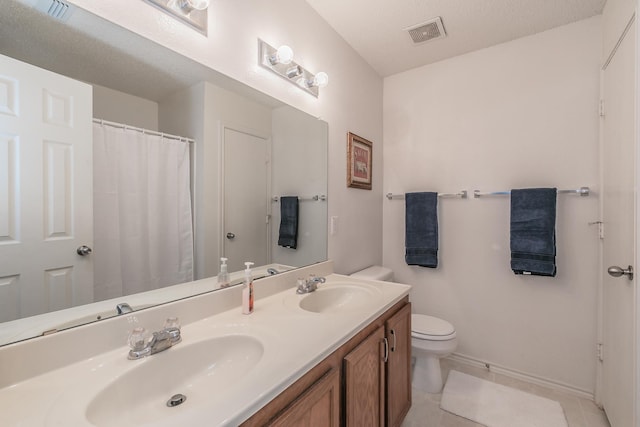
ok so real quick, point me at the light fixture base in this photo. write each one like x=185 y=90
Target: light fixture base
x=195 y=18
x=266 y=51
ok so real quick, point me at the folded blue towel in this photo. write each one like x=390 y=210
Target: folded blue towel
x=288 y=236
x=533 y=231
x=421 y=229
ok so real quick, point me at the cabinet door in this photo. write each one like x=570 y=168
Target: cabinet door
x=364 y=382
x=398 y=332
x=318 y=406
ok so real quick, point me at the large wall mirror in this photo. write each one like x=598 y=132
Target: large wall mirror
x=238 y=156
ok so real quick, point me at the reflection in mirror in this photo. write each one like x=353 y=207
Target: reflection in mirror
x=248 y=151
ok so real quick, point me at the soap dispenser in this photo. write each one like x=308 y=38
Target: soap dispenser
x=223 y=276
x=247 y=291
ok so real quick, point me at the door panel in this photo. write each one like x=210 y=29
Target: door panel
x=45 y=190
x=245 y=199
x=364 y=381
x=398 y=331
x=618 y=198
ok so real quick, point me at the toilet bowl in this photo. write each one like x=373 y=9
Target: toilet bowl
x=431 y=339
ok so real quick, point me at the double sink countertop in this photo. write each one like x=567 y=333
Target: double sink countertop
x=228 y=365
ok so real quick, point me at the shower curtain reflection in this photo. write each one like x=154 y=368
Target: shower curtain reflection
x=143 y=235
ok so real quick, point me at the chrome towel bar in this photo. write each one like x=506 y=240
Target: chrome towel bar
x=582 y=191
x=461 y=194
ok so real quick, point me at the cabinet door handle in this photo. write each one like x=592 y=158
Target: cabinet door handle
x=386 y=349
x=393 y=334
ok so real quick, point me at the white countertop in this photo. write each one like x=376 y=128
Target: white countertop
x=293 y=341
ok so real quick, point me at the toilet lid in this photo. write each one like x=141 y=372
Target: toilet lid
x=423 y=325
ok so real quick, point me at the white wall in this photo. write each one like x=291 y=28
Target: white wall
x=351 y=102
x=120 y=107
x=296 y=137
x=520 y=114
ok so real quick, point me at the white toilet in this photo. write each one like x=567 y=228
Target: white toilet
x=431 y=339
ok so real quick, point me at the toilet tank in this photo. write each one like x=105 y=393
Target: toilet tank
x=375 y=272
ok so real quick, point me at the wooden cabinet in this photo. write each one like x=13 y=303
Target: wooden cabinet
x=364 y=379
x=398 y=380
x=365 y=382
x=318 y=406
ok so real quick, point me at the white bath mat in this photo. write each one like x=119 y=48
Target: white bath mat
x=495 y=405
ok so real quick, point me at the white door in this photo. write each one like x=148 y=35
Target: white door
x=245 y=199
x=618 y=198
x=45 y=190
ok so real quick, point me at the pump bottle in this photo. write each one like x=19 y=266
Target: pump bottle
x=247 y=291
x=223 y=276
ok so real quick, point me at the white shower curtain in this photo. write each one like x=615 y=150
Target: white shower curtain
x=143 y=235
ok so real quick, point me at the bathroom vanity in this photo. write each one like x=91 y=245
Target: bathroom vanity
x=339 y=355
x=374 y=369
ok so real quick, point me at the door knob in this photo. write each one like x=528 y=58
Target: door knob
x=616 y=271
x=83 y=250
x=230 y=236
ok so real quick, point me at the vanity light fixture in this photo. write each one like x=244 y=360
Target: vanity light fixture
x=191 y=12
x=281 y=62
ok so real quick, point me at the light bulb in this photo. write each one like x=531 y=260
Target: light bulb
x=320 y=80
x=187 y=6
x=284 y=55
x=198 y=4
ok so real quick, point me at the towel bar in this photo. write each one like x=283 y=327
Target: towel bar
x=582 y=191
x=316 y=198
x=462 y=194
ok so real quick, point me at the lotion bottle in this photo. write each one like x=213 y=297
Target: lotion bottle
x=247 y=291
x=223 y=276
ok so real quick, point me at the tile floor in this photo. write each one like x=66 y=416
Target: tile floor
x=426 y=412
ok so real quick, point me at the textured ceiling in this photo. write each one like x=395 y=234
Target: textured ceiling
x=91 y=49
x=375 y=28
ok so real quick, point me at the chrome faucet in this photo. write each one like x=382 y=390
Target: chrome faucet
x=306 y=286
x=123 y=308
x=143 y=344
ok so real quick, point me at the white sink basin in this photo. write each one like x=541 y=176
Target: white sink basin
x=336 y=297
x=201 y=371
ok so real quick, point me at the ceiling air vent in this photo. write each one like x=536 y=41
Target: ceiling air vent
x=427 y=31
x=57 y=9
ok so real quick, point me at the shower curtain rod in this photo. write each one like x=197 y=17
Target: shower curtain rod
x=141 y=130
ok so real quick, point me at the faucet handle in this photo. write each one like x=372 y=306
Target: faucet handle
x=171 y=322
x=172 y=327
x=139 y=342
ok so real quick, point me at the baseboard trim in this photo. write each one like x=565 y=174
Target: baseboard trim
x=523 y=376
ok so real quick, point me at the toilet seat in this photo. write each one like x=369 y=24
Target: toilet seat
x=431 y=328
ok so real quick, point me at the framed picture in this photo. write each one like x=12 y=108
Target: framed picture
x=359 y=162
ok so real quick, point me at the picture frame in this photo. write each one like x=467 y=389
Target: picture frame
x=359 y=162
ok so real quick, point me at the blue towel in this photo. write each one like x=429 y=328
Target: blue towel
x=533 y=231
x=421 y=229
x=288 y=236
